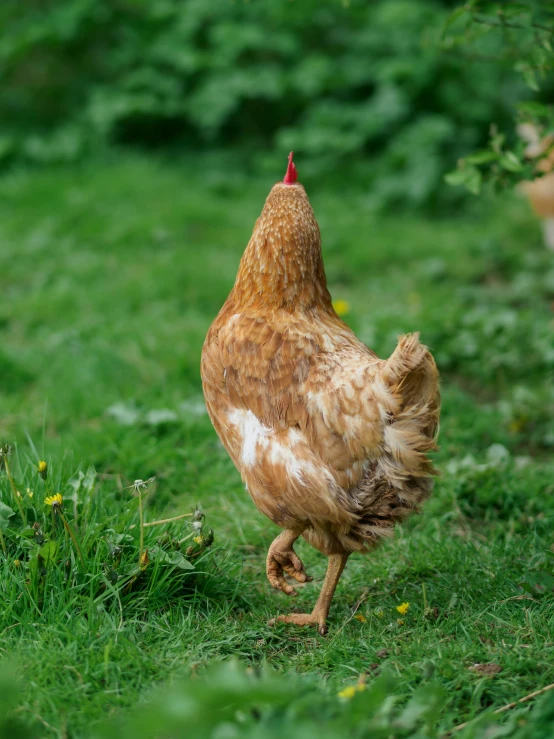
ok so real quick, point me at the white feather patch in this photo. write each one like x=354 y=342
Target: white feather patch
x=258 y=440
x=255 y=436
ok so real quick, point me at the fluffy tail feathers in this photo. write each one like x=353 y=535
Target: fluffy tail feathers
x=412 y=377
x=411 y=373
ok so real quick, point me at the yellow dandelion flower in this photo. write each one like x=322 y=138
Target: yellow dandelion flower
x=199 y=539
x=42 y=469
x=403 y=608
x=54 y=500
x=350 y=691
x=342 y=307
x=360 y=617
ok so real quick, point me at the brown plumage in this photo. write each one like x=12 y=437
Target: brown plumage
x=330 y=440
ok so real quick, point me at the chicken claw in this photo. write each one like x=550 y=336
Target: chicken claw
x=303 y=619
x=281 y=558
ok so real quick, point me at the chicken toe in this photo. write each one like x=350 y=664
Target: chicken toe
x=281 y=560
x=303 y=619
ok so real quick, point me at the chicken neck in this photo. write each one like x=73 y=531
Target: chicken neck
x=282 y=266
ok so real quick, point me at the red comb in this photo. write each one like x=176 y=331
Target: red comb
x=291 y=175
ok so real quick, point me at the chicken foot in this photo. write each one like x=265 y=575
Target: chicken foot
x=318 y=617
x=282 y=558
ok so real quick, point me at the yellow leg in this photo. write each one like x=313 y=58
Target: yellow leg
x=318 y=616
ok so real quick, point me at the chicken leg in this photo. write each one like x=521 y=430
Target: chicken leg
x=318 y=616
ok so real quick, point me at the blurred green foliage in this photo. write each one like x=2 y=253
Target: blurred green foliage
x=370 y=87
x=233 y=703
x=260 y=704
x=523 y=31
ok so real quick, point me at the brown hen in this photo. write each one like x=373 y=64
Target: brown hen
x=331 y=441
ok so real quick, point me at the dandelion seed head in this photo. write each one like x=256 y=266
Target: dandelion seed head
x=139 y=485
x=197 y=515
x=5 y=451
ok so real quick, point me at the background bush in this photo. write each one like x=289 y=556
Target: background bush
x=367 y=86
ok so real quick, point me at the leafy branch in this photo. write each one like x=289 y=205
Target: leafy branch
x=521 y=34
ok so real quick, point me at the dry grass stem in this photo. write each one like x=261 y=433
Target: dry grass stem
x=167 y=520
x=507 y=707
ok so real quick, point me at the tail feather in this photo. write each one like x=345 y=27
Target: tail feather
x=411 y=374
x=407 y=356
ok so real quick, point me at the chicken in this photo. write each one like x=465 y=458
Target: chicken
x=540 y=191
x=331 y=441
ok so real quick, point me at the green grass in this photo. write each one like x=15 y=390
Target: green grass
x=110 y=276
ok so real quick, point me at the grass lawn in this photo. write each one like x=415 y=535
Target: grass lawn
x=110 y=276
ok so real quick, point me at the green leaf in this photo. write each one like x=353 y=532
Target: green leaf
x=455 y=178
x=172 y=558
x=497 y=142
x=49 y=551
x=89 y=480
x=539 y=580
x=467 y=176
x=539 y=110
x=513 y=10
x=5 y=514
x=425 y=705
x=82 y=482
x=510 y=162
x=120 y=539
x=529 y=76
x=482 y=157
x=453 y=17
x=28 y=533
